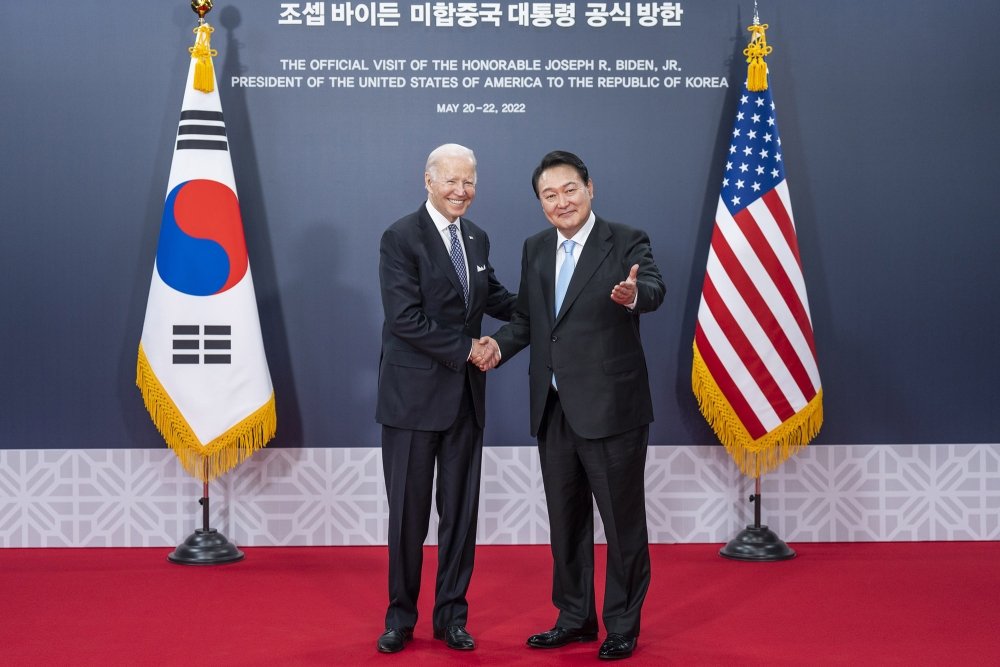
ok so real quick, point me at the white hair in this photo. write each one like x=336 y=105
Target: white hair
x=448 y=151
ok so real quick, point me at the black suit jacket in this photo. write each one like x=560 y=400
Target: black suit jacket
x=428 y=332
x=593 y=345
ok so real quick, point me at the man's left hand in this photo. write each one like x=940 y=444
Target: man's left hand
x=624 y=292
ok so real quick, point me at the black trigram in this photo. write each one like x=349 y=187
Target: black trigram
x=191 y=339
x=202 y=129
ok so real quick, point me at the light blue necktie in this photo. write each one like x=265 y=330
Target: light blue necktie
x=458 y=260
x=562 y=282
x=565 y=273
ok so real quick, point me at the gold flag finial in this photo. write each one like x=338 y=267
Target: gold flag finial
x=755 y=52
x=201 y=7
x=204 y=75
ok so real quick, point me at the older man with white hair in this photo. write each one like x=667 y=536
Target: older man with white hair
x=436 y=282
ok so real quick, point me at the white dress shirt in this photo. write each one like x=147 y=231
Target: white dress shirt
x=580 y=238
x=442 y=223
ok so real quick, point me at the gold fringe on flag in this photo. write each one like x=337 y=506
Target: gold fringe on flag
x=753 y=457
x=755 y=52
x=204 y=74
x=209 y=461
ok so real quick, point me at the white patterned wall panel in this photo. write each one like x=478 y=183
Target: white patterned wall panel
x=90 y=498
x=512 y=501
x=305 y=497
x=142 y=497
x=901 y=493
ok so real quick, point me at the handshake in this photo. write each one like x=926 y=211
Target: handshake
x=485 y=353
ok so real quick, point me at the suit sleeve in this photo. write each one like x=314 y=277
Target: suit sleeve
x=399 y=280
x=499 y=301
x=649 y=283
x=516 y=334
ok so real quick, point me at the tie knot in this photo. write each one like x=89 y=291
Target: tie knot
x=568 y=246
x=453 y=228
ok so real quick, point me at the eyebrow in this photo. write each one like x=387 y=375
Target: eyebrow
x=556 y=187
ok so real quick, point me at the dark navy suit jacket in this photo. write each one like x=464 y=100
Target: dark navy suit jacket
x=593 y=345
x=428 y=331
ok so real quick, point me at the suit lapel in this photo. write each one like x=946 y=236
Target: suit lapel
x=545 y=265
x=436 y=251
x=598 y=246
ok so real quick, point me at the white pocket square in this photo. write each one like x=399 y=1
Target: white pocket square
x=480 y=268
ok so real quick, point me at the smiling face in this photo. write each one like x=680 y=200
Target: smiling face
x=451 y=186
x=565 y=198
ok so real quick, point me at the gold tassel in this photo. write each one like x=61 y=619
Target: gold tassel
x=221 y=454
x=204 y=75
x=755 y=52
x=753 y=457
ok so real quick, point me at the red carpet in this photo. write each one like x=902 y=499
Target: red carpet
x=836 y=604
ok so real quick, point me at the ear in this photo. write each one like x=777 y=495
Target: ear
x=590 y=188
x=427 y=180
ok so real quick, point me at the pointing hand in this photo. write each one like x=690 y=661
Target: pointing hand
x=624 y=292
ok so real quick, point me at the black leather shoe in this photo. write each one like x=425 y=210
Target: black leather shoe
x=557 y=637
x=394 y=640
x=617 y=646
x=456 y=637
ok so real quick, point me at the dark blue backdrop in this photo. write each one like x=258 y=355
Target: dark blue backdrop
x=887 y=113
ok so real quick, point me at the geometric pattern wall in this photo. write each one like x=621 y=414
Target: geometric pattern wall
x=142 y=497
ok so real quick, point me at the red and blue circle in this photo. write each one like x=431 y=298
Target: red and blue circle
x=202 y=249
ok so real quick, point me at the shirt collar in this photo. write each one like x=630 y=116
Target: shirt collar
x=581 y=235
x=440 y=221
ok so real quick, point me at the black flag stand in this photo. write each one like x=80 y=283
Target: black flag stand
x=757 y=542
x=205 y=546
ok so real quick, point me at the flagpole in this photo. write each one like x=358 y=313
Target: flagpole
x=206 y=545
x=757 y=542
x=754 y=369
x=755 y=498
x=216 y=408
x=204 y=505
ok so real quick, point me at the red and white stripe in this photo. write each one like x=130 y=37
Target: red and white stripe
x=754 y=331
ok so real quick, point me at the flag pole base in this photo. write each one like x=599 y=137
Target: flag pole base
x=206 y=547
x=757 y=543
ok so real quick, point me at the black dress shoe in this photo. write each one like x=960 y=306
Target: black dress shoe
x=394 y=640
x=456 y=637
x=617 y=646
x=557 y=637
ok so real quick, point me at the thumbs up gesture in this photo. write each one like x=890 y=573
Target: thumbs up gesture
x=624 y=292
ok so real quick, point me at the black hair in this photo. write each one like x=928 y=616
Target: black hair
x=556 y=158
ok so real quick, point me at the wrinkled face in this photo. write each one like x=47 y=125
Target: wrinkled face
x=565 y=198
x=451 y=186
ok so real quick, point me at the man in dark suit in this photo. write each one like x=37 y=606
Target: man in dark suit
x=436 y=282
x=590 y=400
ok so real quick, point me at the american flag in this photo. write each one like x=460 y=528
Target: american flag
x=755 y=372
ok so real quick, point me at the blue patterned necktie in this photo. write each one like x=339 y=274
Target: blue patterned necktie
x=458 y=260
x=565 y=273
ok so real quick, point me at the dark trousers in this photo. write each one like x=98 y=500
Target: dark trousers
x=612 y=472
x=408 y=458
